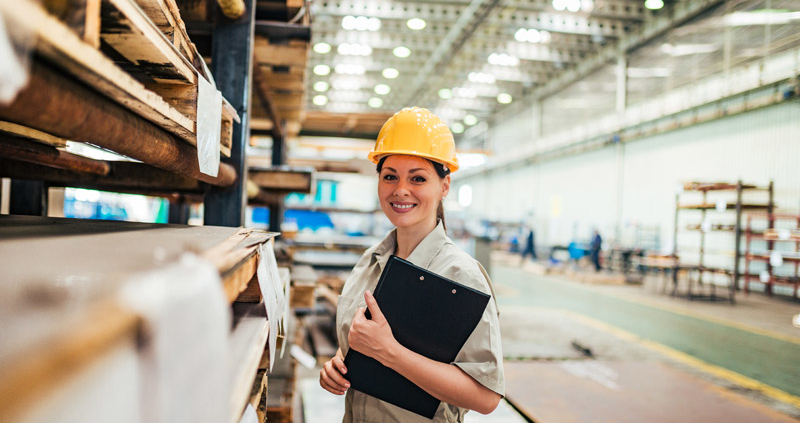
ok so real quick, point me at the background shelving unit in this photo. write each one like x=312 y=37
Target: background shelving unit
x=777 y=261
x=705 y=266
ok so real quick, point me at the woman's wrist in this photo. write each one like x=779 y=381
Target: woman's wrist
x=390 y=355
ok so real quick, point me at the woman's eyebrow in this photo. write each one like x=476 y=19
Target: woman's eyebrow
x=416 y=170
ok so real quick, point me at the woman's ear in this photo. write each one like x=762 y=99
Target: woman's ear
x=445 y=185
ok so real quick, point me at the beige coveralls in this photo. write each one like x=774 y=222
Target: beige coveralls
x=481 y=357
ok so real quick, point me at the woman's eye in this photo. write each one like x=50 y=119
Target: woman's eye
x=419 y=179
x=389 y=177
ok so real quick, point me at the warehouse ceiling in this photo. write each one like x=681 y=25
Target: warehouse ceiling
x=464 y=60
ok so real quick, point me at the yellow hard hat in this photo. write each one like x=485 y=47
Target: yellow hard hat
x=415 y=131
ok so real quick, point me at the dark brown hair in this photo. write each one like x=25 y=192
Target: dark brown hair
x=442 y=171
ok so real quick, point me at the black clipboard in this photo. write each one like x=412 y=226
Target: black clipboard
x=430 y=315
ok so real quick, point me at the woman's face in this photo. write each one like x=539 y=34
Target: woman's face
x=410 y=190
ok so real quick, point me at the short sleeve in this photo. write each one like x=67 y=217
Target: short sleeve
x=482 y=354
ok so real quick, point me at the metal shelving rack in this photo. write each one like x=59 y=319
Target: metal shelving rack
x=775 y=234
x=700 y=269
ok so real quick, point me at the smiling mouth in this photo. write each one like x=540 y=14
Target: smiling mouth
x=402 y=207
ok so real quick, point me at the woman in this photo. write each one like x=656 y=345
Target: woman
x=415 y=153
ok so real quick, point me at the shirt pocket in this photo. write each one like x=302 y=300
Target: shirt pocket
x=345 y=310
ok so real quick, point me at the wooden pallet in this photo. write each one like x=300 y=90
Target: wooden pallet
x=147 y=75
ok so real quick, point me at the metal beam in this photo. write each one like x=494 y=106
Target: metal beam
x=283 y=31
x=232 y=55
x=682 y=11
x=55 y=104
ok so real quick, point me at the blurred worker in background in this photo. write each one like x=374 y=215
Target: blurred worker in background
x=530 y=246
x=415 y=153
x=597 y=245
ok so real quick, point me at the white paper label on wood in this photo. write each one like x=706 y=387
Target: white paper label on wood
x=249 y=415
x=272 y=291
x=764 y=276
x=184 y=354
x=784 y=234
x=14 y=57
x=209 y=125
x=706 y=225
x=721 y=206
x=776 y=259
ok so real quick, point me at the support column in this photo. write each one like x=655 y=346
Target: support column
x=178 y=211
x=231 y=63
x=622 y=83
x=277 y=209
x=28 y=198
x=622 y=100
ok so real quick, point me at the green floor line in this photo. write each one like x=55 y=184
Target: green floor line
x=762 y=358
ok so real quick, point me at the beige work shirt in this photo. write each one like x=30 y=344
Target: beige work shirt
x=482 y=355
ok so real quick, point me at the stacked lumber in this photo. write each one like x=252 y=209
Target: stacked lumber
x=87 y=305
x=119 y=74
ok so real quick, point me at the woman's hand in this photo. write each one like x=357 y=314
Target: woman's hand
x=372 y=338
x=330 y=377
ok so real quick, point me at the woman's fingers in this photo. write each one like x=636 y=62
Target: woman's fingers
x=332 y=380
x=339 y=364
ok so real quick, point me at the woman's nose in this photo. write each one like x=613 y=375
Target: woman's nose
x=401 y=188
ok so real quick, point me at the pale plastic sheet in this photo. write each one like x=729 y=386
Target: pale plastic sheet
x=249 y=415
x=273 y=293
x=15 y=55
x=209 y=125
x=184 y=353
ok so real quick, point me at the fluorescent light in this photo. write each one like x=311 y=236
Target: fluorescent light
x=470 y=120
x=457 y=128
x=573 y=5
x=322 y=48
x=320 y=100
x=760 y=18
x=654 y=4
x=416 y=24
x=390 y=73
x=361 y=23
x=322 y=70
x=354 y=49
x=321 y=86
x=346 y=83
x=503 y=59
x=504 y=98
x=464 y=92
x=445 y=93
x=559 y=4
x=481 y=77
x=401 y=51
x=349 y=69
x=375 y=102
x=382 y=89
x=587 y=5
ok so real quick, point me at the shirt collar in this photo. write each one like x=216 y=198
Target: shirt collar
x=422 y=255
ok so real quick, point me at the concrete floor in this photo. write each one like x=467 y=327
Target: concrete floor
x=748 y=350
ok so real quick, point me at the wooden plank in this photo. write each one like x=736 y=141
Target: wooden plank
x=61 y=46
x=32 y=134
x=279 y=55
x=283 y=179
x=41 y=370
x=82 y=16
x=286 y=81
x=134 y=36
x=245 y=348
x=252 y=293
x=257 y=397
x=236 y=280
x=21 y=149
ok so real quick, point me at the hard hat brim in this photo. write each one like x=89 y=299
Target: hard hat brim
x=376 y=156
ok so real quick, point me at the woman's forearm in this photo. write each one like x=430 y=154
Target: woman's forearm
x=445 y=382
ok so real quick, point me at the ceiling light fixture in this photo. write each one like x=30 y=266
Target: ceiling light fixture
x=573 y=5
x=349 y=69
x=470 y=120
x=322 y=70
x=464 y=92
x=457 y=128
x=322 y=48
x=354 y=49
x=445 y=94
x=401 y=52
x=390 y=73
x=481 y=77
x=320 y=100
x=503 y=59
x=416 y=24
x=654 y=4
x=361 y=23
x=321 y=86
x=382 y=89
x=504 y=98
x=375 y=102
